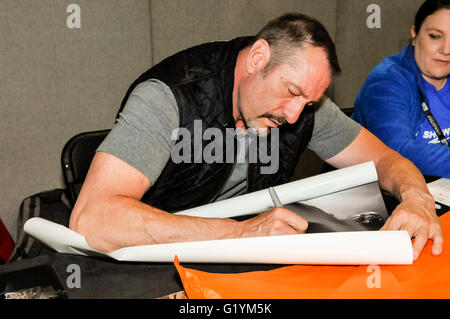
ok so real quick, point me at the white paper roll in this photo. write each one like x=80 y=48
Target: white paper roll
x=344 y=248
x=328 y=183
x=288 y=193
x=237 y=206
x=339 y=248
x=58 y=237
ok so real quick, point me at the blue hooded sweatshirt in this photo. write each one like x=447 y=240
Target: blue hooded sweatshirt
x=390 y=106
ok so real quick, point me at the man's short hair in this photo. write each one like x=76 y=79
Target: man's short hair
x=293 y=31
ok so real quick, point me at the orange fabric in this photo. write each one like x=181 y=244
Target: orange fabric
x=428 y=277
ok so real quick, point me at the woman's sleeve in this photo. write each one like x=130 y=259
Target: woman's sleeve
x=384 y=107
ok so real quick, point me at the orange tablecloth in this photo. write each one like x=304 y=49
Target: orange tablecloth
x=428 y=277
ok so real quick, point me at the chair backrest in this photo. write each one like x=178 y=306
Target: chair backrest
x=348 y=111
x=76 y=159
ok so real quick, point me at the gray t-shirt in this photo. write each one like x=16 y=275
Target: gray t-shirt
x=142 y=135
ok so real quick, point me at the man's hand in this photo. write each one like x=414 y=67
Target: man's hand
x=278 y=221
x=416 y=214
x=400 y=177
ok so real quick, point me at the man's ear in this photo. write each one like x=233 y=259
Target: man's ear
x=258 y=56
x=413 y=35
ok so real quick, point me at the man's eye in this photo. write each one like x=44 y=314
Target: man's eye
x=291 y=93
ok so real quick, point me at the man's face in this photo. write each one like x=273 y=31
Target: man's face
x=277 y=98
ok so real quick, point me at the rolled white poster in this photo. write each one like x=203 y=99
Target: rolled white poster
x=288 y=193
x=59 y=237
x=343 y=248
x=337 y=248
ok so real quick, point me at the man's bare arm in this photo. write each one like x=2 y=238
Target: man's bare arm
x=110 y=215
x=416 y=212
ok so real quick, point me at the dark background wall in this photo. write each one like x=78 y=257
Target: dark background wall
x=360 y=48
x=57 y=82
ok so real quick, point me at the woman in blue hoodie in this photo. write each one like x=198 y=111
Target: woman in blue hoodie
x=406 y=98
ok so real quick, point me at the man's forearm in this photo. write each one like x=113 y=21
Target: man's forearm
x=118 y=221
x=400 y=177
x=110 y=215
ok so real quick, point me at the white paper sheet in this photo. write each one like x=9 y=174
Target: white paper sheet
x=342 y=248
x=58 y=237
x=337 y=248
x=440 y=190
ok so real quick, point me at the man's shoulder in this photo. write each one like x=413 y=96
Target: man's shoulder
x=198 y=62
x=151 y=88
x=325 y=105
x=152 y=99
x=327 y=111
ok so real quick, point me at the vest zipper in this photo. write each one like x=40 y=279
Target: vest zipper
x=226 y=181
x=229 y=173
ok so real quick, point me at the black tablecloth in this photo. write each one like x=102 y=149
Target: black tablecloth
x=107 y=278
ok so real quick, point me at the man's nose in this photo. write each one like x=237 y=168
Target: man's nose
x=294 y=109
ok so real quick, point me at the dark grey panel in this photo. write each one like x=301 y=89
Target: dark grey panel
x=360 y=48
x=57 y=82
x=179 y=24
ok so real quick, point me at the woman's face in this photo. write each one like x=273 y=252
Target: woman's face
x=432 y=47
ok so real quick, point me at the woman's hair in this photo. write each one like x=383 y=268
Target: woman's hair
x=428 y=8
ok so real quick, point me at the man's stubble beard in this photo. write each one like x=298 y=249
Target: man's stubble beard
x=252 y=124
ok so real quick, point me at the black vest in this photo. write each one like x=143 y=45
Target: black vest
x=201 y=79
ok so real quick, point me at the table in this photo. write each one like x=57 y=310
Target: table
x=107 y=278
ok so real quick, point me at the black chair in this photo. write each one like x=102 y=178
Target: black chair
x=76 y=159
x=348 y=111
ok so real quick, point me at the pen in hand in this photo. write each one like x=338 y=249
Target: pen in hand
x=276 y=201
